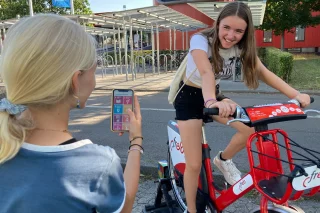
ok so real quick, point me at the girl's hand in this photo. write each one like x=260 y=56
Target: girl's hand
x=135 y=120
x=226 y=108
x=304 y=99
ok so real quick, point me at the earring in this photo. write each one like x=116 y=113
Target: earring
x=78 y=103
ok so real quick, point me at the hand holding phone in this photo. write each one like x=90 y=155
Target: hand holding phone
x=122 y=100
x=135 y=120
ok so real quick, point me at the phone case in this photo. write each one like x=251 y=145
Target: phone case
x=121 y=116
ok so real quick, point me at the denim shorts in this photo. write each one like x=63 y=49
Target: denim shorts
x=189 y=102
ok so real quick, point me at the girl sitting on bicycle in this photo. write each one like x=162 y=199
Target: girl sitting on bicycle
x=228 y=44
x=48 y=67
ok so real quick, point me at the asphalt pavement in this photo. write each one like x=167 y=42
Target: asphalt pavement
x=155 y=87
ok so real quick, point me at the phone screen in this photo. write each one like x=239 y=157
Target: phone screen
x=122 y=101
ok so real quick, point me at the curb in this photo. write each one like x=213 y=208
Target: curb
x=153 y=173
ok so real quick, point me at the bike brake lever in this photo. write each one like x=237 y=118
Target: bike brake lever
x=243 y=120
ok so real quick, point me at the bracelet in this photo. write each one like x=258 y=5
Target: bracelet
x=136 y=145
x=135 y=149
x=210 y=105
x=136 y=138
x=211 y=99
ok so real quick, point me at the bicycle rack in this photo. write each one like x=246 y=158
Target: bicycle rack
x=165 y=62
x=152 y=59
x=143 y=64
x=112 y=61
x=171 y=58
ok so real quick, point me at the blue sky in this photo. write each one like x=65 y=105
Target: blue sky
x=116 y=5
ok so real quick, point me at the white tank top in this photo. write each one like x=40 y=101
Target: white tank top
x=231 y=59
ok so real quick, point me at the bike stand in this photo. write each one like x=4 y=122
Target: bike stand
x=169 y=205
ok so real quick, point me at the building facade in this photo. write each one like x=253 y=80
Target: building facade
x=301 y=40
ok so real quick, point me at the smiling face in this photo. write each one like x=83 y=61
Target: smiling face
x=231 y=31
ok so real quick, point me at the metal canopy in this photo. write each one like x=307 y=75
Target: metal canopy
x=161 y=16
x=212 y=9
x=7 y=23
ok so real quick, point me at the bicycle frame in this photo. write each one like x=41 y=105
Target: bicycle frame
x=251 y=179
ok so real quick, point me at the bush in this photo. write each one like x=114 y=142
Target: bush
x=277 y=61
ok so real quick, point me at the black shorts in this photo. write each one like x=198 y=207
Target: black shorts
x=189 y=102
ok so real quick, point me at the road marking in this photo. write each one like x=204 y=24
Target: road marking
x=165 y=110
x=142 y=109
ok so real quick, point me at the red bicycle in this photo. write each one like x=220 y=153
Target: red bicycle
x=273 y=157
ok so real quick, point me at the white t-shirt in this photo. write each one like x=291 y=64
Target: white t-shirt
x=231 y=59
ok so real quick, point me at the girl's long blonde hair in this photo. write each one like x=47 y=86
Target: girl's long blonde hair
x=40 y=55
x=247 y=44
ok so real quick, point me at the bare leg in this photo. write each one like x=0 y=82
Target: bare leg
x=191 y=136
x=238 y=141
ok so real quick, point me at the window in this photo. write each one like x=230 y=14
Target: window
x=267 y=36
x=299 y=34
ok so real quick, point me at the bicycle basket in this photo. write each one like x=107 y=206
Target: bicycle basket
x=275 y=170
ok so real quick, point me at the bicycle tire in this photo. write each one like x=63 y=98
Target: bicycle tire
x=203 y=205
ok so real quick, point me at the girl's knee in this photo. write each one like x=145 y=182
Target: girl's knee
x=194 y=167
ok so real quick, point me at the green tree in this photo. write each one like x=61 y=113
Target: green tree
x=284 y=15
x=11 y=8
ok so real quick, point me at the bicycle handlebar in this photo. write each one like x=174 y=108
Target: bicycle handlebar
x=240 y=114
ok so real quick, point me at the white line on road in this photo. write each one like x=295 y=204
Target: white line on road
x=142 y=109
x=166 y=110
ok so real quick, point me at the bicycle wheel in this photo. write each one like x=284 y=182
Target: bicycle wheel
x=176 y=180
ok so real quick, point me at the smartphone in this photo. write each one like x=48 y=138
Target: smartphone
x=122 y=100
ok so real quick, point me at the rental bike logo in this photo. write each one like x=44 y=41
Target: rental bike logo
x=177 y=145
x=315 y=176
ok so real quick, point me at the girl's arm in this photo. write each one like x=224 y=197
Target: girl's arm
x=209 y=84
x=277 y=83
x=208 y=80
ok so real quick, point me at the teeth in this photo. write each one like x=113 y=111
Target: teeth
x=227 y=40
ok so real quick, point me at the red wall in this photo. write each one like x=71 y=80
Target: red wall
x=312 y=34
x=164 y=39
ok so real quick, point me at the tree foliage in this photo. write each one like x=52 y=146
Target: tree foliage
x=284 y=15
x=12 y=8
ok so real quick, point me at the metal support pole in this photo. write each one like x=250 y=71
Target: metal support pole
x=125 y=49
x=131 y=52
x=71 y=7
x=174 y=42
x=141 y=42
x=120 y=45
x=30 y=8
x=4 y=32
x=158 y=50
x=115 y=50
x=153 y=44
x=170 y=38
x=106 y=41
x=187 y=39
x=182 y=40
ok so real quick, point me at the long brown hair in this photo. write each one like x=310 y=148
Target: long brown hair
x=247 y=44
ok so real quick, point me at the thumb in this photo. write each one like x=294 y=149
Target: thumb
x=131 y=114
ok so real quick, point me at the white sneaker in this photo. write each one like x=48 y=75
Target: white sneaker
x=228 y=169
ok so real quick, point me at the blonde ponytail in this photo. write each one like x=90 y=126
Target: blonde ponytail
x=12 y=134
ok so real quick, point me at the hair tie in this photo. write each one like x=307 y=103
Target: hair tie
x=12 y=109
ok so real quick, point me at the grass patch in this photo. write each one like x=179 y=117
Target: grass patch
x=306 y=72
